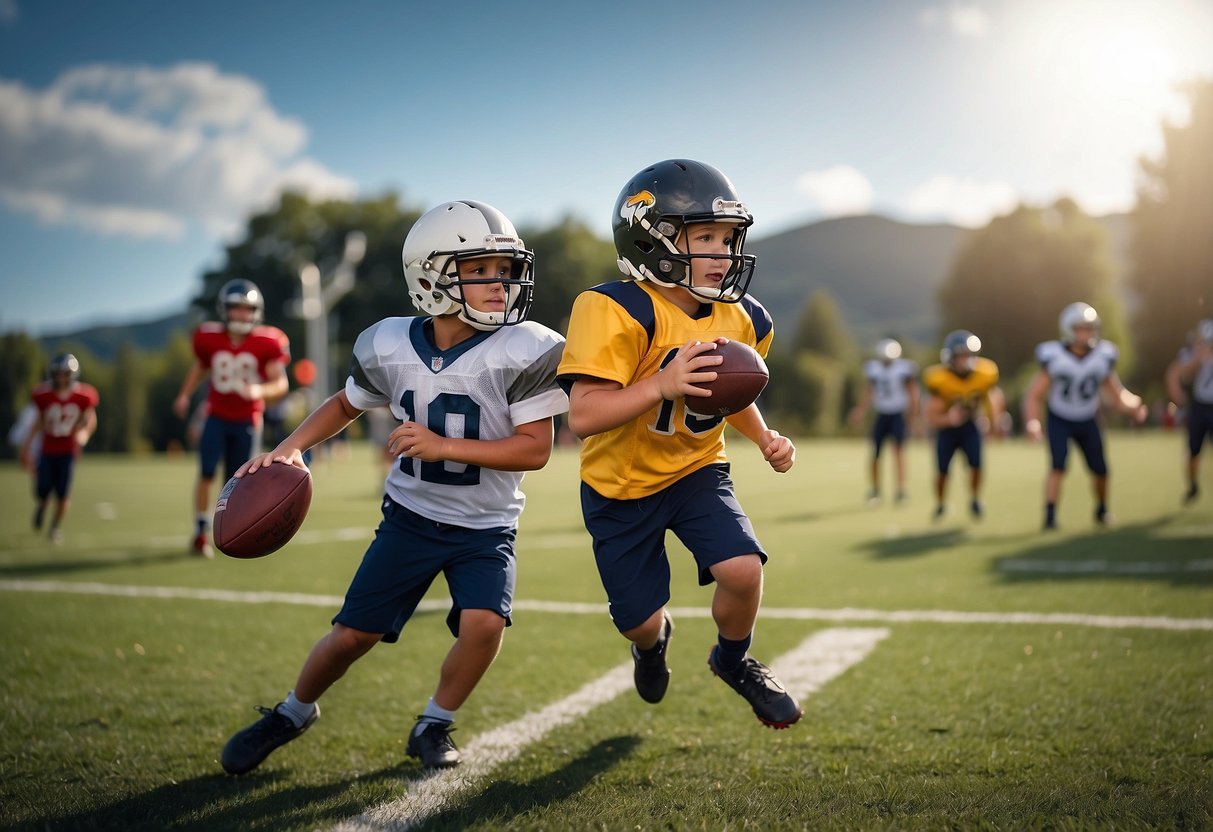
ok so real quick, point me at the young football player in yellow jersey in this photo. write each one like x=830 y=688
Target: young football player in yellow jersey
x=636 y=351
x=958 y=386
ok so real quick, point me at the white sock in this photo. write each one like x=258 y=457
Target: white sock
x=296 y=711
x=433 y=713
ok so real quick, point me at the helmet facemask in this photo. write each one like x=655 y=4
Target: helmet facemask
x=438 y=275
x=662 y=261
x=242 y=293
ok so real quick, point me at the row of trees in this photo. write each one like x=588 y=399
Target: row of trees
x=1008 y=282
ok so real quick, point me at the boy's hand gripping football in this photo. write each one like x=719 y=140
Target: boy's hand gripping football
x=692 y=365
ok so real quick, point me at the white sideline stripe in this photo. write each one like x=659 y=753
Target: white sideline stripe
x=806 y=668
x=843 y=615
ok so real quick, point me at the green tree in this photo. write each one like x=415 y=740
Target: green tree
x=278 y=243
x=811 y=385
x=128 y=413
x=22 y=365
x=821 y=329
x=1011 y=279
x=1173 y=243
x=163 y=430
x=568 y=259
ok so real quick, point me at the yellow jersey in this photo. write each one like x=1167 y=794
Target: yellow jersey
x=626 y=331
x=968 y=391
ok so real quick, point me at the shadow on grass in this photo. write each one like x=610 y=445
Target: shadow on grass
x=213 y=803
x=1137 y=552
x=49 y=568
x=266 y=800
x=504 y=801
x=914 y=545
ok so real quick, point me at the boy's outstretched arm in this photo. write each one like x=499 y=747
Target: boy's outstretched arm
x=776 y=449
x=326 y=421
x=527 y=450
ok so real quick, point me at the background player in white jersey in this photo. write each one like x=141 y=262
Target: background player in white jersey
x=892 y=391
x=1194 y=374
x=1073 y=371
x=473 y=387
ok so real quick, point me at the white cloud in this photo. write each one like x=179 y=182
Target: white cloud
x=9 y=12
x=145 y=152
x=964 y=202
x=964 y=19
x=838 y=191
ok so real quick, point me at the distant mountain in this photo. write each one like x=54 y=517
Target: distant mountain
x=883 y=274
x=104 y=341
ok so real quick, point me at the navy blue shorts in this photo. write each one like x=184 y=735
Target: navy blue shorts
x=409 y=551
x=888 y=424
x=55 y=475
x=629 y=539
x=1200 y=424
x=233 y=441
x=965 y=438
x=1085 y=434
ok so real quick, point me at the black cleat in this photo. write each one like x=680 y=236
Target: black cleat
x=248 y=747
x=1193 y=493
x=975 y=509
x=940 y=511
x=651 y=674
x=37 y=521
x=1104 y=518
x=773 y=705
x=1049 y=526
x=434 y=744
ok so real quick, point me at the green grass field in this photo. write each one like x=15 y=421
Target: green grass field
x=1093 y=711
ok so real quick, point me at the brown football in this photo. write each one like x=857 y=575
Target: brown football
x=739 y=379
x=258 y=513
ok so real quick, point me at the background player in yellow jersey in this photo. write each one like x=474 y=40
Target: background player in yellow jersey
x=636 y=350
x=958 y=386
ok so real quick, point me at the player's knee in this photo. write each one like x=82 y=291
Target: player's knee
x=741 y=574
x=483 y=627
x=348 y=641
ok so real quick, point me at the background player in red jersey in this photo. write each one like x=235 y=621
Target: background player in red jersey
x=67 y=417
x=246 y=363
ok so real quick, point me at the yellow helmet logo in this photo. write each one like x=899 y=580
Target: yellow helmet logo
x=636 y=206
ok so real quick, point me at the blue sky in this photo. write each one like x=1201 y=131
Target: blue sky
x=136 y=137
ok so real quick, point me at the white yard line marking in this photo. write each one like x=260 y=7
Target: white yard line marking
x=824 y=656
x=432 y=792
x=805 y=669
x=844 y=615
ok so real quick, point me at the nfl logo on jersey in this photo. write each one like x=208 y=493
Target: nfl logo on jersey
x=436 y=363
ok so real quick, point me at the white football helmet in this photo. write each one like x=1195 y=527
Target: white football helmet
x=887 y=349
x=1076 y=315
x=1204 y=331
x=454 y=232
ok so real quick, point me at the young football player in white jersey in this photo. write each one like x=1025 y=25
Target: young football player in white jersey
x=1194 y=377
x=892 y=391
x=650 y=463
x=472 y=385
x=1073 y=372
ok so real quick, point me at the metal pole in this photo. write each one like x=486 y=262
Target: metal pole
x=318 y=301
